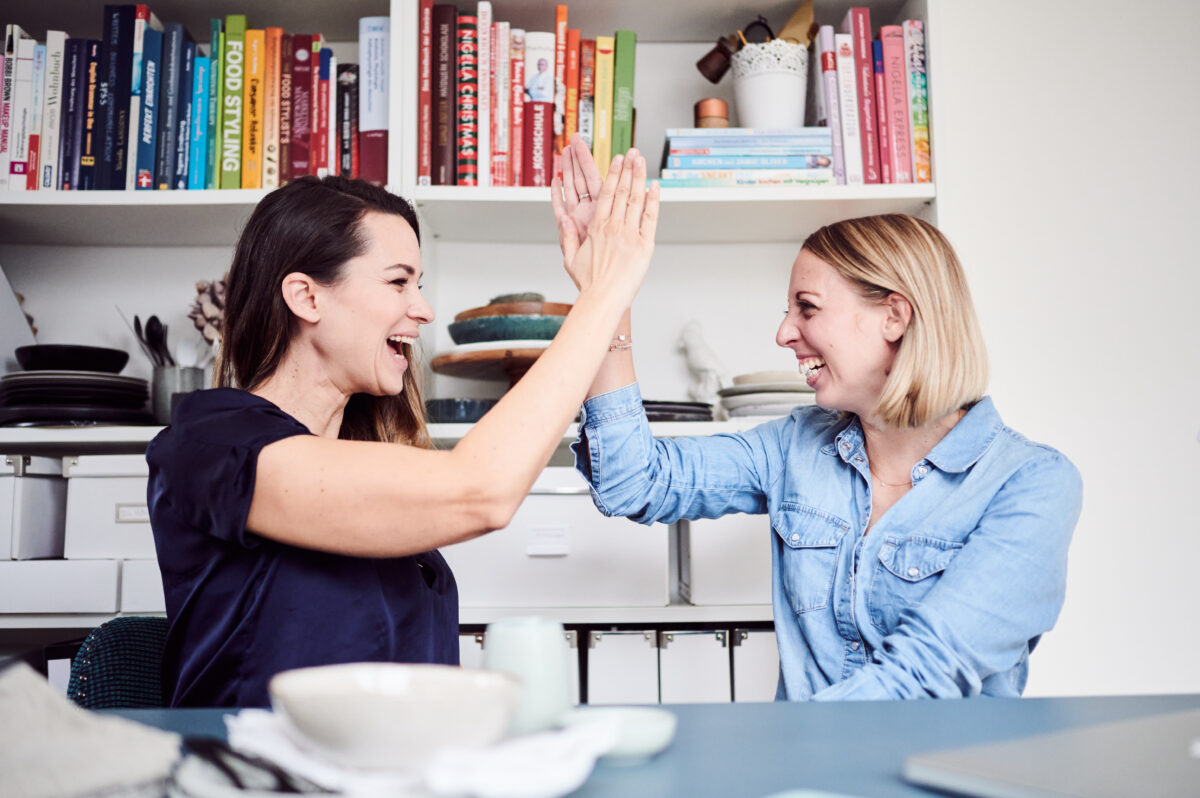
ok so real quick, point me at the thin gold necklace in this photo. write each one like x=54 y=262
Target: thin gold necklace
x=891 y=485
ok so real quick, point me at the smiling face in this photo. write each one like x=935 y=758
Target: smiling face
x=844 y=343
x=377 y=307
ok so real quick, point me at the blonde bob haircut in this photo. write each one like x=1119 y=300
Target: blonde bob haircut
x=941 y=362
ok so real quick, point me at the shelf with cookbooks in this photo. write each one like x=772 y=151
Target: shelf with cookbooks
x=482 y=187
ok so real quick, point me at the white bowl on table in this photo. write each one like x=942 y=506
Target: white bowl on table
x=392 y=716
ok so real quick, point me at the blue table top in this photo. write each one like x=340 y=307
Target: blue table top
x=754 y=750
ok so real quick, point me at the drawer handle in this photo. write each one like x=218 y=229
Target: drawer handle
x=579 y=491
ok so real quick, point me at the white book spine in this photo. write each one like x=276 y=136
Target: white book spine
x=843 y=44
x=333 y=140
x=56 y=44
x=22 y=116
x=373 y=34
x=36 y=104
x=8 y=77
x=483 y=14
x=502 y=91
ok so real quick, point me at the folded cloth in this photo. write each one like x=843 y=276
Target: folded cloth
x=545 y=765
x=51 y=748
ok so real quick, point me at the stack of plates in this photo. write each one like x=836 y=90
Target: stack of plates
x=42 y=398
x=678 y=411
x=766 y=393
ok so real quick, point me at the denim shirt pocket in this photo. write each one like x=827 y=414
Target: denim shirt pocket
x=808 y=555
x=907 y=570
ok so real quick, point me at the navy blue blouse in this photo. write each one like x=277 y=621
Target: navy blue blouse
x=242 y=607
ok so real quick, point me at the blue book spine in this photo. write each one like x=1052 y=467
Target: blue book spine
x=183 y=132
x=168 y=102
x=117 y=69
x=148 y=125
x=822 y=161
x=199 y=146
x=679 y=149
x=746 y=132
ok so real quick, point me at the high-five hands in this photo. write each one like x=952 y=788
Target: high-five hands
x=613 y=247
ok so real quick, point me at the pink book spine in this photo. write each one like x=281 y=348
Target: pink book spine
x=895 y=80
x=885 y=149
x=829 y=80
x=858 y=24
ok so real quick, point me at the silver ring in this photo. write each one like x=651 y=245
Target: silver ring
x=585 y=195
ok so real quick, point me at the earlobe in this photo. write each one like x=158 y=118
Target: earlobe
x=300 y=294
x=899 y=314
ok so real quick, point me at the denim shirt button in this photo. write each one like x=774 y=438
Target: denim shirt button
x=854 y=646
x=922 y=470
x=913 y=571
x=795 y=538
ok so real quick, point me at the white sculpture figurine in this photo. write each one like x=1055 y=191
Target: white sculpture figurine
x=708 y=375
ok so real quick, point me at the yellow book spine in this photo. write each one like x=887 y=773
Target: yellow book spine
x=274 y=41
x=602 y=135
x=252 y=103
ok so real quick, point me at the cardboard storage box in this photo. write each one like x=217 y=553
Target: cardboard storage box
x=141 y=587
x=107 y=516
x=33 y=500
x=559 y=551
x=58 y=586
x=725 y=561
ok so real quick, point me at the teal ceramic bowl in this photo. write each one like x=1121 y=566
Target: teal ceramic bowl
x=457 y=411
x=505 y=328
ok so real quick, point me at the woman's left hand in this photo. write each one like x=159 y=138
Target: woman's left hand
x=574 y=195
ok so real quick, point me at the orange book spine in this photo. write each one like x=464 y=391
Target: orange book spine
x=571 y=118
x=560 y=80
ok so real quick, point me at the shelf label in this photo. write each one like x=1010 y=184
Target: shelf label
x=547 y=541
x=133 y=514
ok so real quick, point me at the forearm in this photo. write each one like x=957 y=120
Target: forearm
x=616 y=369
x=506 y=450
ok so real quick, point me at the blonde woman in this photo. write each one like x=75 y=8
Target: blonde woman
x=919 y=545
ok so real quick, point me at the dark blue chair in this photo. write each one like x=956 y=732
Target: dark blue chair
x=119 y=665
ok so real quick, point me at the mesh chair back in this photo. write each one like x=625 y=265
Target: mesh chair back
x=119 y=665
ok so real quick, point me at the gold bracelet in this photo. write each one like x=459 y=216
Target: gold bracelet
x=619 y=343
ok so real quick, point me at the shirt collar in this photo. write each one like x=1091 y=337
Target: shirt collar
x=956 y=452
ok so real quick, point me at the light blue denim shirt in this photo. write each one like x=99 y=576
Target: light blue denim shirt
x=945 y=596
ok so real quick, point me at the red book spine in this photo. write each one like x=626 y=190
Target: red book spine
x=467 y=114
x=539 y=143
x=516 y=121
x=571 y=120
x=858 y=24
x=286 y=55
x=425 y=98
x=302 y=105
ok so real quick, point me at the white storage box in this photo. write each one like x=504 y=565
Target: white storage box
x=622 y=667
x=141 y=587
x=107 y=516
x=52 y=586
x=559 y=551
x=693 y=667
x=724 y=561
x=755 y=665
x=33 y=501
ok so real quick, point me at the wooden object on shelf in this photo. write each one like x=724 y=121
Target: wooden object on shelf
x=516 y=309
x=489 y=364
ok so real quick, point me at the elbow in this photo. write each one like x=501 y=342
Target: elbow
x=493 y=508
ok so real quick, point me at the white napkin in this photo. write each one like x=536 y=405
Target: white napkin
x=51 y=748
x=545 y=765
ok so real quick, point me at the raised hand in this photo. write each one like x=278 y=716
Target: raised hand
x=619 y=240
x=574 y=196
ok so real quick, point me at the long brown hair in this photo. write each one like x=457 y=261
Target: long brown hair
x=311 y=225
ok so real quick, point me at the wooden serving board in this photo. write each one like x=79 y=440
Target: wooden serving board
x=489 y=364
x=516 y=309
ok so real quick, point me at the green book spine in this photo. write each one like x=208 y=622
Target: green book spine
x=234 y=60
x=214 y=104
x=622 y=124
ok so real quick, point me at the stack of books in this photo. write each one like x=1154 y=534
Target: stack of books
x=147 y=107
x=697 y=157
x=497 y=104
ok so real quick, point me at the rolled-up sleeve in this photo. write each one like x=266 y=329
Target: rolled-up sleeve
x=634 y=475
x=1004 y=589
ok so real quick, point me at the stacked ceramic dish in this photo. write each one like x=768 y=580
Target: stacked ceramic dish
x=765 y=393
x=511 y=317
x=678 y=411
x=72 y=386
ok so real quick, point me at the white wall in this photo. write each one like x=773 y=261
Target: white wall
x=1065 y=179
x=1067 y=169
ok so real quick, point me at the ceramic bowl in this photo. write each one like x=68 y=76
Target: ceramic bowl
x=641 y=732
x=457 y=411
x=505 y=328
x=71 y=357
x=768 y=376
x=383 y=715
